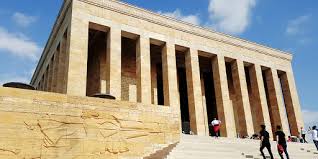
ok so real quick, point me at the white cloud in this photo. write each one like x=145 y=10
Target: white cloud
x=4 y=78
x=310 y=118
x=304 y=40
x=194 y=19
x=296 y=26
x=18 y=44
x=298 y=29
x=22 y=19
x=231 y=16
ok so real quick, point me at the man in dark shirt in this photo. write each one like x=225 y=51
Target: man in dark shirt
x=281 y=142
x=264 y=135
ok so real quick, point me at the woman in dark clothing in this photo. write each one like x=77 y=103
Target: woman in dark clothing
x=281 y=142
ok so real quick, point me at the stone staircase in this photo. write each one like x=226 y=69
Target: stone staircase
x=202 y=147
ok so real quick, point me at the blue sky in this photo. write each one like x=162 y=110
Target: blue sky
x=284 y=24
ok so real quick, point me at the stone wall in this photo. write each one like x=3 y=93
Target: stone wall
x=47 y=125
x=128 y=71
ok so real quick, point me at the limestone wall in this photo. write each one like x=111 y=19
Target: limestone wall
x=46 y=125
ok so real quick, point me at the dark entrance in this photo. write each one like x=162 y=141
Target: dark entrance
x=208 y=91
x=183 y=92
x=210 y=100
x=96 y=60
x=184 y=107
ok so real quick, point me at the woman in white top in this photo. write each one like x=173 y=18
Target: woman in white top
x=303 y=134
x=216 y=126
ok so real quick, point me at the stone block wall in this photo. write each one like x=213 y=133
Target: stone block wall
x=47 y=125
x=128 y=88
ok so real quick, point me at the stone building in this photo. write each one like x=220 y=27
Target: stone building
x=106 y=46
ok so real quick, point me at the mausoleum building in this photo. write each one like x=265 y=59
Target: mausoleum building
x=138 y=56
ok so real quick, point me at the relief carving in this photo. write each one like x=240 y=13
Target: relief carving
x=66 y=134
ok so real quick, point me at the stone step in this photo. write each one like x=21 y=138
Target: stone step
x=238 y=147
x=202 y=157
x=182 y=155
x=205 y=154
x=222 y=139
x=296 y=156
x=203 y=147
x=290 y=145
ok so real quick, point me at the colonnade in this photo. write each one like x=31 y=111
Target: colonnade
x=272 y=99
x=55 y=75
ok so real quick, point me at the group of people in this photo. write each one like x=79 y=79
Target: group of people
x=280 y=139
x=314 y=134
x=279 y=136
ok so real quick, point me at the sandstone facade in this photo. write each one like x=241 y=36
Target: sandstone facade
x=105 y=46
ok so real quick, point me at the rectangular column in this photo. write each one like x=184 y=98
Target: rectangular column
x=170 y=81
x=55 y=69
x=39 y=87
x=259 y=95
x=197 y=124
x=224 y=105
x=46 y=79
x=50 y=80
x=41 y=83
x=77 y=59
x=242 y=99
x=204 y=106
x=281 y=105
x=292 y=103
x=278 y=117
x=143 y=70
x=62 y=66
x=113 y=63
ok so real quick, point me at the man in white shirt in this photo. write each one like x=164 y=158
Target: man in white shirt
x=216 y=126
x=314 y=134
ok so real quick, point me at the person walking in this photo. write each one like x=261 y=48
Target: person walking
x=303 y=134
x=314 y=133
x=264 y=136
x=281 y=142
x=216 y=126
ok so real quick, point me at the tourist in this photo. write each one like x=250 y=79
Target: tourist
x=216 y=126
x=314 y=133
x=255 y=137
x=281 y=142
x=303 y=135
x=264 y=136
x=289 y=139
